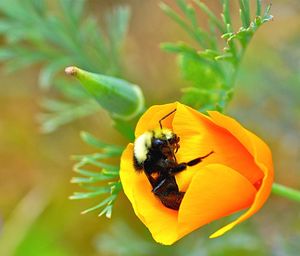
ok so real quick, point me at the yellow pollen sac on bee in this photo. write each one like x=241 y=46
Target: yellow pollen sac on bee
x=163 y=133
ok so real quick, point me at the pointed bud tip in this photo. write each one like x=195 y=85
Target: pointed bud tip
x=71 y=71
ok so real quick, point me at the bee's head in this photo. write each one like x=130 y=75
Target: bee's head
x=165 y=140
x=161 y=140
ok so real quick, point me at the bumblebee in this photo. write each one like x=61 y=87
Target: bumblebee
x=154 y=153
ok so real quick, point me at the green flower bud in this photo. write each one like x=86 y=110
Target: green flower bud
x=123 y=100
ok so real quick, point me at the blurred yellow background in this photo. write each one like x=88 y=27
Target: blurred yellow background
x=36 y=216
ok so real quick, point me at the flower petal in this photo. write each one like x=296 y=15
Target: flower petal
x=215 y=191
x=199 y=136
x=161 y=221
x=262 y=157
x=150 y=119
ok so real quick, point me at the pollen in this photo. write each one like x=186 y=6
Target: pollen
x=155 y=175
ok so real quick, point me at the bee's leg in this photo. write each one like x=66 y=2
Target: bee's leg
x=198 y=160
x=152 y=181
x=168 y=193
x=178 y=168
x=182 y=166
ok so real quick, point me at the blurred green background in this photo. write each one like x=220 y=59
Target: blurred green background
x=36 y=216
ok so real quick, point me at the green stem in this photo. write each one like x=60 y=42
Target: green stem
x=287 y=192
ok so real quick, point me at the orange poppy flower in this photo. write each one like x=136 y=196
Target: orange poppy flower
x=238 y=175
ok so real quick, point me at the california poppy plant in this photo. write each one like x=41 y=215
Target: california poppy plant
x=238 y=175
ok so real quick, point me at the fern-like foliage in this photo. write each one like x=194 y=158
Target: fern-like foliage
x=33 y=33
x=211 y=67
x=97 y=177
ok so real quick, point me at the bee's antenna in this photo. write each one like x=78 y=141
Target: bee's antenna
x=165 y=118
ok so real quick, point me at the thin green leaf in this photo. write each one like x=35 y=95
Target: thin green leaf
x=93 y=179
x=111 y=172
x=92 y=140
x=95 y=156
x=189 y=11
x=245 y=13
x=181 y=48
x=107 y=211
x=103 y=203
x=108 y=149
x=85 y=195
x=116 y=187
x=197 y=35
x=173 y=15
x=267 y=16
x=52 y=121
x=226 y=15
x=117 y=26
x=211 y=16
x=258 y=8
x=97 y=175
x=108 y=167
x=55 y=105
x=50 y=70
